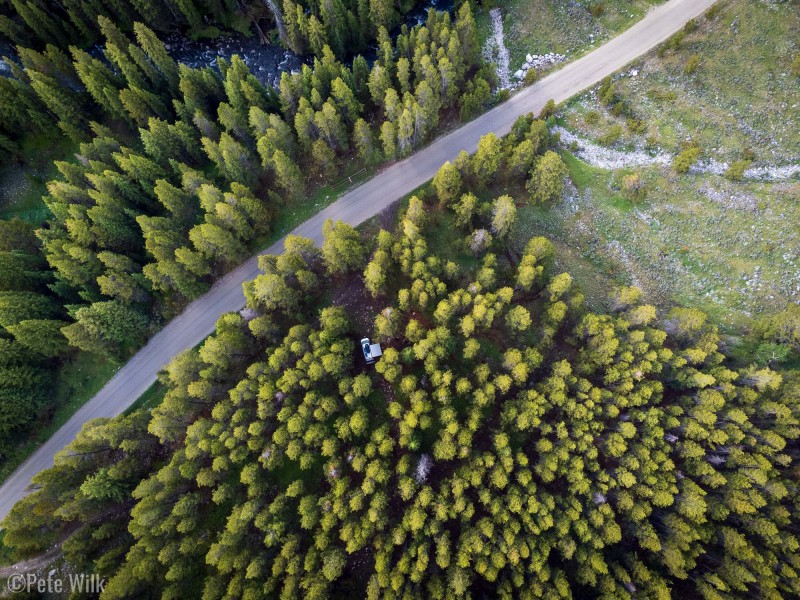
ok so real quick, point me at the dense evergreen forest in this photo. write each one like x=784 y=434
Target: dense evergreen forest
x=347 y=26
x=510 y=442
x=180 y=172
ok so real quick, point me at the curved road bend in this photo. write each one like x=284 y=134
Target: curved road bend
x=198 y=319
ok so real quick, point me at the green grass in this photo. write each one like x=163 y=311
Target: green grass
x=77 y=382
x=23 y=184
x=150 y=399
x=696 y=240
x=741 y=97
x=541 y=26
x=586 y=176
x=295 y=213
x=700 y=240
x=583 y=175
x=21 y=195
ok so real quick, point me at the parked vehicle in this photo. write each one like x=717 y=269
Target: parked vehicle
x=371 y=351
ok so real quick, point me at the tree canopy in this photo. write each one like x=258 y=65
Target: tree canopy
x=508 y=442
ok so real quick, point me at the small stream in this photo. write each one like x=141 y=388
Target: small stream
x=6 y=50
x=266 y=62
x=419 y=13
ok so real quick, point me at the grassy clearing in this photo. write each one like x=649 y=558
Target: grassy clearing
x=741 y=99
x=684 y=244
x=150 y=399
x=541 y=26
x=696 y=240
x=23 y=184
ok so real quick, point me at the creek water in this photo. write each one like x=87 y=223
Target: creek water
x=266 y=61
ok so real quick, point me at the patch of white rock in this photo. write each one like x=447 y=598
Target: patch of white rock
x=608 y=158
x=495 y=50
x=538 y=62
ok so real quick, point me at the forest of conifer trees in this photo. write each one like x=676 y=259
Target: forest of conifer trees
x=180 y=171
x=512 y=441
x=346 y=26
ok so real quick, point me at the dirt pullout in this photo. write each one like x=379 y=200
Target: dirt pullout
x=37 y=563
